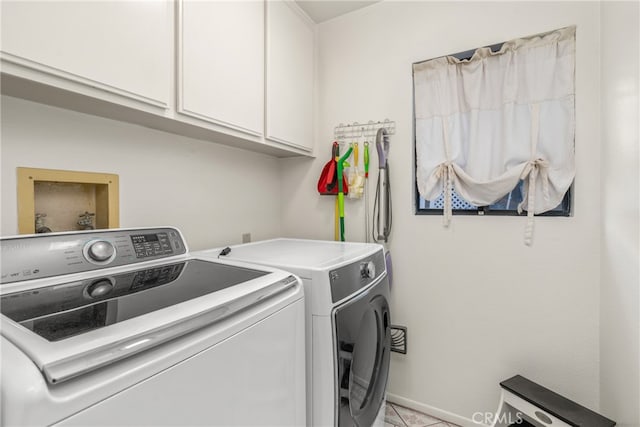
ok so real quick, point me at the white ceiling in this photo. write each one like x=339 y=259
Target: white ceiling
x=323 y=10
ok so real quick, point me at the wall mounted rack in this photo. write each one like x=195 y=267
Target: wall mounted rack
x=345 y=133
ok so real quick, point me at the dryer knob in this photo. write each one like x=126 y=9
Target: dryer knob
x=367 y=270
x=101 y=250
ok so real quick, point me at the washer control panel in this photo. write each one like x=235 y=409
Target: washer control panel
x=45 y=255
x=146 y=245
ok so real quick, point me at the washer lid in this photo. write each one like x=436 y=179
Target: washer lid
x=302 y=256
x=68 y=309
x=71 y=327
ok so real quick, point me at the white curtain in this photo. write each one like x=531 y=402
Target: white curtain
x=484 y=123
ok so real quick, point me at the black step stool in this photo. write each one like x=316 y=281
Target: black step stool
x=525 y=403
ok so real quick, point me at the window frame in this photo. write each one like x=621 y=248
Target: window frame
x=486 y=210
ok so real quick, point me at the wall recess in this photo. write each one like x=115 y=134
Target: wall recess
x=64 y=198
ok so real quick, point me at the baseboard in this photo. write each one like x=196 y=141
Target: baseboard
x=432 y=410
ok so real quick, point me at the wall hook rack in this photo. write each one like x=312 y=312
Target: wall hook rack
x=344 y=133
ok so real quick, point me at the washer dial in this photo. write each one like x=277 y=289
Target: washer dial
x=99 y=252
x=99 y=288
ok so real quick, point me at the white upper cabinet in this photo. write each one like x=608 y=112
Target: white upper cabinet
x=236 y=72
x=221 y=63
x=290 y=76
x=121 y=47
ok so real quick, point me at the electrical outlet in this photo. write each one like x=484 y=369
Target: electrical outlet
x=246 y=237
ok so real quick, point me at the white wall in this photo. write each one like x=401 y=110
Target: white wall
x=213 y=193
x=620 y=271
x=480 y=306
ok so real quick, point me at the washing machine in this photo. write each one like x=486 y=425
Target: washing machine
x=127 y=328
x=347 y=322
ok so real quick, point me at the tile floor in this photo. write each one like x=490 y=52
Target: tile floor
x=399 y=416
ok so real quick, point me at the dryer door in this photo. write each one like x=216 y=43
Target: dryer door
x=363 y=345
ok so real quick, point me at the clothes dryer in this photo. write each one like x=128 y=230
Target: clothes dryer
x=347 y=323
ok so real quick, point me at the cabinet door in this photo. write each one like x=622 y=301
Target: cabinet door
x=290 y=73
x=221 y=63
x=117 y=46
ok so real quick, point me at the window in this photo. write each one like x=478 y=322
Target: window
x=508 y=205
x=494 y=129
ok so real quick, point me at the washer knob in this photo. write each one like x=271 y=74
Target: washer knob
x=367 y=270
x=101 y=251
x=100 y=288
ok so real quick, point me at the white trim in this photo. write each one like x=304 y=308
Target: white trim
x=290 y=144
x=297 y=9
x=209 y=119
x=74 y=78
x=267 y=56
x=265 y=70
x=179 y=72
x=433 y=411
